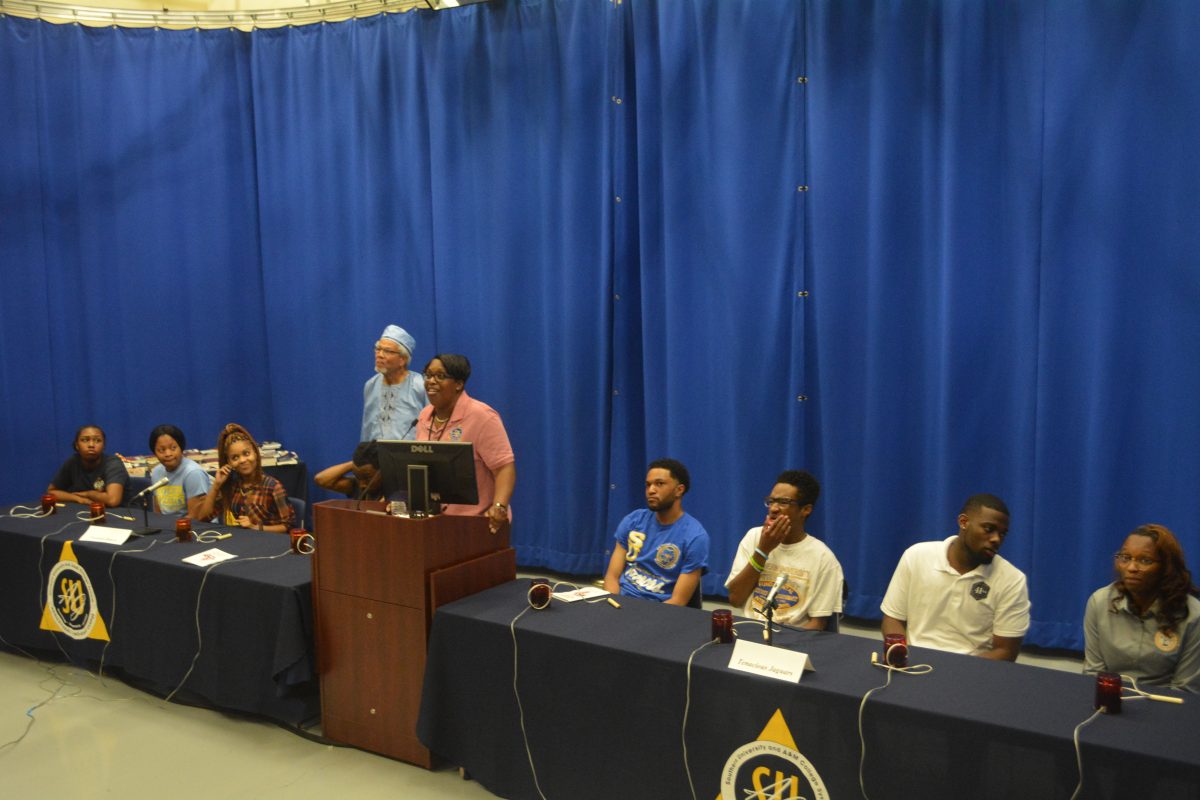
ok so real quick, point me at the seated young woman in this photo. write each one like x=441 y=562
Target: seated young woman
x=187 y=480
x=1146 y=623
x=241 y=494
x=89 y=476
x=358 y=478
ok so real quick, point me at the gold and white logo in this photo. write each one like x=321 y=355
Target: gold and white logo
x=1166 y=642
x=771 y=768
x=667 y=556
x=70 y=602
x=636 y=540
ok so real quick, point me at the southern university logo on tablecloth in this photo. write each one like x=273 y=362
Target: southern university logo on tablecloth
x=771 y=769
x=70 y=602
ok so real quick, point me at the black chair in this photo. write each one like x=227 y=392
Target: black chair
x=298 y=508
x=835 y=620
x=135 y=486
x=697 y=599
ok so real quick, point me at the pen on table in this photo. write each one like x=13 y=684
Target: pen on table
x=613 y=603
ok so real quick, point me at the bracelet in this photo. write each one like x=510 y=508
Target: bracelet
x=500 y=506
x=761 y=553
x=756 y=565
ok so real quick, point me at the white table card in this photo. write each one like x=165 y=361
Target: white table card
x=210 y=556
x=105 y=535
x=583 y=593
x=770 y=662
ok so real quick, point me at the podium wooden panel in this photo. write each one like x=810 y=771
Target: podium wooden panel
x=377 y=580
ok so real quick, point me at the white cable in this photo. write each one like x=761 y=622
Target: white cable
x=40 y=604
x=199 y=594
x=686 y=707
x=1140 y=694
x=21 y=650
x=28 y=512
x=917 y=669
x=1078 y=753
x=32 y=718
x=765 y=624
x=762 y=624
x=56 y=694
x=112 y=614
x=512 y=627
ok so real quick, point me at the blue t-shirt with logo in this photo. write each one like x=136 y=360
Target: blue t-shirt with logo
x=187 y=481
x=656 y=555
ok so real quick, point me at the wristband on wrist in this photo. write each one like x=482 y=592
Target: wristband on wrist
x=756 y=565
x=761 y=553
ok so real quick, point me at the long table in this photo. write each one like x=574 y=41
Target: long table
x=604 y=692
x=255 y=616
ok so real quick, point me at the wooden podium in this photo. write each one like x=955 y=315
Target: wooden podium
x=377 y=580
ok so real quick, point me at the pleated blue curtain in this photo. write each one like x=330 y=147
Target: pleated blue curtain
x=448 y=172
x=925 y=231
x=1119 y=322
x=128 y=241
x=343 y=176
x=523 y=212
x=710 y=327
x=1005 y=282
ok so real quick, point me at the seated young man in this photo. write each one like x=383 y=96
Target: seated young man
x=661 y=550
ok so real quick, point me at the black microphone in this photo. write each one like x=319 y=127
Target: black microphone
x=770 y=601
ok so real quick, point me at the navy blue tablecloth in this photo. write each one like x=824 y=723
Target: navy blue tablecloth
x=255 y=638
x=604 y=692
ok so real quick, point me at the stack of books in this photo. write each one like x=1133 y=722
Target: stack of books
x=273 y=455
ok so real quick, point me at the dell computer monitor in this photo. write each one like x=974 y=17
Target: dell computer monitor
x=451 y=469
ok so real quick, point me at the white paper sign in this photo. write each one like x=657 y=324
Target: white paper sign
x=210 y=556
x=585 y=593
x=106 y=535
x=770 y=662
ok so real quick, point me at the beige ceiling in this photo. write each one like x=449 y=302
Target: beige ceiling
x=243 y=14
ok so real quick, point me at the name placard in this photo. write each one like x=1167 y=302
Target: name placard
x=105 y=535
x=210 y=556
x=770 y=662
x=583 y=593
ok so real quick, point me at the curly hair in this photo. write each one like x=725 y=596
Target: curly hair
x=229 y=435
x=1174 y=582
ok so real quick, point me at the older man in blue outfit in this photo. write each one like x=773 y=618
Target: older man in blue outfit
x=395 y=395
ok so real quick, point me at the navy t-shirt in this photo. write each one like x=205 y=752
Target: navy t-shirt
x=72 y=477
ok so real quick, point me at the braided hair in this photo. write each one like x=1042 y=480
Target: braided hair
x=231 y=434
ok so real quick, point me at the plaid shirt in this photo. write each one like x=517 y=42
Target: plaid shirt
x=266 y=502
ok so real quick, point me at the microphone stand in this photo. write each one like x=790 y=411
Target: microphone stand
x=769 y=610
x=146 y=530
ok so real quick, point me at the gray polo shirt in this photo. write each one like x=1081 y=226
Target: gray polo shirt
x=1120 y=641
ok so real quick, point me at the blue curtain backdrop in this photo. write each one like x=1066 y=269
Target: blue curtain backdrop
x=129 y=250
x=922 y=249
